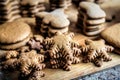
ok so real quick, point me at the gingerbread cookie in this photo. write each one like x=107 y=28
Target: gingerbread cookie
x=30 y=7
x=96 y=51
x=25 y=63
x=63 y=51
x=111 y=35
x=36 y=42
x=9 y=36
x=52 y=22
x=9 y=11
x=91 y=22
x=92 y=10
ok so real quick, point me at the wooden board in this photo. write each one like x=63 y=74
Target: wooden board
x=79 y=70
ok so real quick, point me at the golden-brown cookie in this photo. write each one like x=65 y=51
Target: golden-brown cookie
x=15 y=45
x=13 y=32
x=112 y=35
x=93 y=10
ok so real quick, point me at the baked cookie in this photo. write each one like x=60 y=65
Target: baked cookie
x=30 y=7
x=63 y=51
x=95 y=22
x=91 y=18
x=51 y=22
x=92 y=10
x=96 y=52
x=27 y=63
x=36 y=42
x=9 y=10
x=111 y=35
x=14 y=34
x=15 y=45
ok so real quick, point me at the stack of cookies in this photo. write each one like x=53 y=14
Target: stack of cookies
x=91 y=18
x=53 y=22
x=9 y=10
x=14 y=35
x=59 y=4
x=30 y=7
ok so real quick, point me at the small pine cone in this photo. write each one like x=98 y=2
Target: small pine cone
x=11 y=54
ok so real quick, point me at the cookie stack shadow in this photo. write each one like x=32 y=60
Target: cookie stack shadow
x=9 y=10
x=91 y=18
x=30 y=7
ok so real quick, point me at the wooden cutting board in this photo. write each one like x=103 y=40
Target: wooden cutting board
x=79 y=70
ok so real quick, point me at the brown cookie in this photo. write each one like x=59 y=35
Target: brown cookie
x=96 y=21
x=30 y=8
x=13 y=32
x=57 y=19
x=15 y=45
x=11 y=14
x=92 y=10
x=10 y=5
x=111 y=35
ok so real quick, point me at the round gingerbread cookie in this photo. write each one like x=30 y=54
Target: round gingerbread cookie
x=13 y=32
x=16 y=45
